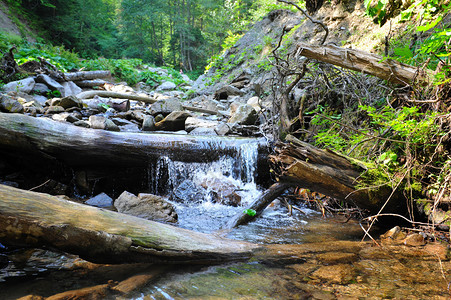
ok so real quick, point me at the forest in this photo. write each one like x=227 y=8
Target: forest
x=262 y=108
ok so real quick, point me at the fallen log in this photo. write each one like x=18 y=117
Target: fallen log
x=258 y=205
x=36 y=220
x=145 y=99
x=85 y=75
x=77 y=146
x=90 y=83
x=329 y=173
x=367 y=63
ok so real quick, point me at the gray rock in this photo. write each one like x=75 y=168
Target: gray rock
x=159 y=118
x=254 y=102
x=146 y=206
x=40 y=99
x=223 y=190
x=70 y=89
x=138 y=115
x=192 y=123
x=71 y=101
x=41 y=89
x=54 y=109
x=100 y=122
x=82 y=123
x=226 y=91
x=167 y=85
x=52 y=84
x=244 y=115
x=66 y=117
x=188 y=192
x=149 y=124
x=11 y=105
x=222 y=129
x=173 y=122
x=101 y=200
x=166 y=106
x=25 y=85
x=203 y=131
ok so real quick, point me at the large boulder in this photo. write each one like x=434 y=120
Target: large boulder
x=167 y=85
x=166 y=106
x=226 y=91
x=51 y=83
x=25 y=85
x=244 y=115
x=70 y=89
x=11 y=105
x=173 y=122
x=146 y=206
x=71 y=101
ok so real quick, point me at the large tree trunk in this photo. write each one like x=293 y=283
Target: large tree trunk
x=36 y=220
x=78 y=146
x=368 y=63
x=326 y=172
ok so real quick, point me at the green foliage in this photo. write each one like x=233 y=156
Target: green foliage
x=378 y=11
x=123 y=69
x=7 y=40
x=250 y=212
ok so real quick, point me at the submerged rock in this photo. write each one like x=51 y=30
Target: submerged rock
x=223 y=190
x=188 y=192
x=146 y=206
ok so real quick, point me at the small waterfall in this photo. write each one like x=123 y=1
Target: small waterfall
x=239 y=165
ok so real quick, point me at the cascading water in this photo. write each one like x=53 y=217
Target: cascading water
x=195 y=187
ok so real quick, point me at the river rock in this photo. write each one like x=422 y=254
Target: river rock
x=413 y=240
x=226 y=91
x=82 y=123
x=70 y=89
x=223 y=190
x=40 y=99
x=173 y=122
x=71 y=101
x=188 y=192
x=146 y=206
x=222 y=129
x=54 y=109
x=100 y=122
x=41 y=89
x=167 y=85
x=244 y=115
x=101 y=200
x=166 y=106
x=11 y=105
x=52 y=84
x=338 y=274
x=192 y=123
x=25 y=85
x=149 y=123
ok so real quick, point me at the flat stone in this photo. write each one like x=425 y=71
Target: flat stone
x=166 y=106
x=173 y=122
x=71 y=101
x=54 y=110
x=222 y=129
x=70 y=89
x=339 y=274
x=82 y=123
x=25 y=85
x=192 y=123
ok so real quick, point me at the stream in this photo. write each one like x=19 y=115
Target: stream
x=329 y=260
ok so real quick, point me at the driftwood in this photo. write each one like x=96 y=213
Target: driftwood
x=86 y=75
x=8 y=66
x=145 y=99
x=368 y=63
x=77 y=146
x=329 y=173
x=90 y=83
x=258 y=205
x=102 y=236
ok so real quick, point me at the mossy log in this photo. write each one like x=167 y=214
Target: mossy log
x=367 y=63
x=77 y=146
x=329 y=173
x=36 y=220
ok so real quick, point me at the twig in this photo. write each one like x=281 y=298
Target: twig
x=36 y=187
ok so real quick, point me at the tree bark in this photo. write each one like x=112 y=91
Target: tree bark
x=90 y=83
x=77 y=146
x=258 y=205
x=329 y=173
x=102 y=236
x=86 y=75
x=368 y=63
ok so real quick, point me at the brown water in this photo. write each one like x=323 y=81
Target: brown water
x=307 y=257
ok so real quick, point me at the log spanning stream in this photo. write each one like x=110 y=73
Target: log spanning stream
x=305 y=256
